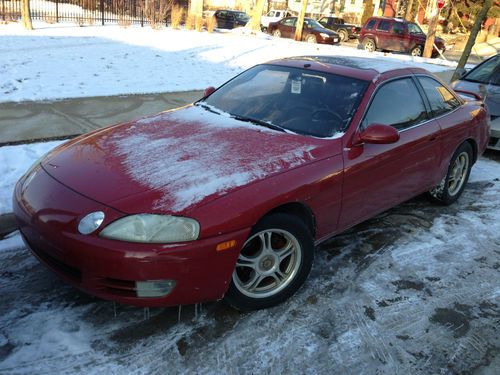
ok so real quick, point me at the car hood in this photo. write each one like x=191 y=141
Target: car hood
x=176 y=160
x=491 y=92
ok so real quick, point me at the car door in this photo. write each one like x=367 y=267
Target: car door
x=287 y=27
x=379 y=176
x=397 y=37
x=382 y=32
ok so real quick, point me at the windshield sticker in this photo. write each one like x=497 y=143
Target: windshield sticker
x=296 y=86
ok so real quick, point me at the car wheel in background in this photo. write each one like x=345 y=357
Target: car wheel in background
x=277 y=33
x=344 y=36
x=369 y=45
x=311 y=38
x=273 y=263
x=453 y=184
x=416 y=51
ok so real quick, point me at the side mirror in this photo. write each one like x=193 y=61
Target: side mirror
x=379 y=134
x=208 y=91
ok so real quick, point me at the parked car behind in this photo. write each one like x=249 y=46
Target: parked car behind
x=227 y=198
x=484 y=80
x=394 y=34
x=312 y=31
x=346 y=31
x=230 y=19
x=273 y=16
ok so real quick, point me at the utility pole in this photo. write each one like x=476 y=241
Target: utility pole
x=431 y=33
x=472 y=38
x=300 y=21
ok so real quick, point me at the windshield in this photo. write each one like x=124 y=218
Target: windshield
x=297 y=100
x=312 y=23
x=487 y=72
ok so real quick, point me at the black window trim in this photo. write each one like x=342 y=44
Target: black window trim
x=424 y=100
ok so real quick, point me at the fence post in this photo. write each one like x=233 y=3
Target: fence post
x=102 y=12
x=57 y=10
x=3 y=10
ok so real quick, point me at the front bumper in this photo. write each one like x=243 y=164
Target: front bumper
x=48 y=212
x=494 y=142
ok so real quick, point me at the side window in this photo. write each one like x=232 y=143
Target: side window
x=441 y=99
x=398 y=28
x=384 y=25
x=271 y=14
x=289 y=21
x=370 y=24
x=397 y=103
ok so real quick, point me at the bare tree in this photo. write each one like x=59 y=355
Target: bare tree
x=256 y=14
x=26 y=15
x=472 y=38
x=300 y=21
x=431 y=33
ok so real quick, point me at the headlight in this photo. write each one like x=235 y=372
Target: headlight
x=324 y=35
x=148 y=228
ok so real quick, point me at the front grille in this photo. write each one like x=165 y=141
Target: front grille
x=74 y=274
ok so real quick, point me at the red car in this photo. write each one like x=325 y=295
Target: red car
x=312 y=31
x=226 y=198
x=394 y=34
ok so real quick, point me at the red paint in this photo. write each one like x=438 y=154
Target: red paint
x=345 y=182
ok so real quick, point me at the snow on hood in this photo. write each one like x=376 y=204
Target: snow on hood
x=176 y=159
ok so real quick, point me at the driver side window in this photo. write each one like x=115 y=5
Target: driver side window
x=398 y=104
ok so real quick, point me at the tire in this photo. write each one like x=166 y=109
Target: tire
x=277 y=33
x=344 y=36
x=265 y=276
x=369 y=45
x=453 y=184
x=311 y=38
x=417 y=51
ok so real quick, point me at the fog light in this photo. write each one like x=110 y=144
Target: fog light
x=154 y=288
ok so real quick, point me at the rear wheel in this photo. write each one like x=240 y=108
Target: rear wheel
x=369 y=45
x=417 y=51
x=273 y=263
x=277 y=33
x=311 y=38
x=344 y=36
x=453 y=184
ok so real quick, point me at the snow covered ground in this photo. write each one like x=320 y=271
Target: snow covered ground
x=414 y=290
x=64 y=61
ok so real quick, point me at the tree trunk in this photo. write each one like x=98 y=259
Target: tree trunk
x=431 y=33
x=300 y=21
x=472 y=38
x=256 y=14
x=196 y=12
x=408 y=13
x=26 y=15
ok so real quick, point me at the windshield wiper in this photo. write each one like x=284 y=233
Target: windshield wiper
x=207 y=107
x=258 y=122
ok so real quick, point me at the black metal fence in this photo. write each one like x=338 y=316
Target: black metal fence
x=92 y=12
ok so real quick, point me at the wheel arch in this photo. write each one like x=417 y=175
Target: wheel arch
x=473 y=145
x=299 y=210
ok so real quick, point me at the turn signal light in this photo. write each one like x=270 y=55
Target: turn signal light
x=225 y=245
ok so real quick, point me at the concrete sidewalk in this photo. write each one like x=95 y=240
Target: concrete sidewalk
x=28 y=121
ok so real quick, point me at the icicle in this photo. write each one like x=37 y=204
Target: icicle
x=195 y=311
x=146 y=313
x=179 y=314
x=114 y=308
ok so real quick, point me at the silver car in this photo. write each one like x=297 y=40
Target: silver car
x=484 y=80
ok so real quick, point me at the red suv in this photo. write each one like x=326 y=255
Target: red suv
x=393 y=34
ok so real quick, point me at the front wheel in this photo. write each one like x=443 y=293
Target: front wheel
x=311 y=38
x=273 y=263
x=416 y=51
x=453 y=184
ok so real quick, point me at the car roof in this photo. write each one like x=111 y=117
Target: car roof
x=358 y=67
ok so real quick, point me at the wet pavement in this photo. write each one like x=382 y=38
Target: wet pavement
x=29 y=121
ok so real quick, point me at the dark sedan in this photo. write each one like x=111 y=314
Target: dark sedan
x=312 y=32
x=230 y=19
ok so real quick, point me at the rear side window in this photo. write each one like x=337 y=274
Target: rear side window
x=398 y=28
x=440 y=98
x=397 y=103
x=383 y=26
x=370 y=24
x=289 y=21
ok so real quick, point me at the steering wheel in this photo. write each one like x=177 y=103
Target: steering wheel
x=330 y=115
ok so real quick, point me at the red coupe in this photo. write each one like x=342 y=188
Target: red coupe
x=226 y=198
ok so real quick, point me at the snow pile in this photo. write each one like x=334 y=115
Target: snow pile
x=68 y=62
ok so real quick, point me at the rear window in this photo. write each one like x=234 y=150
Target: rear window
x=440 y=98
x=370 y=24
